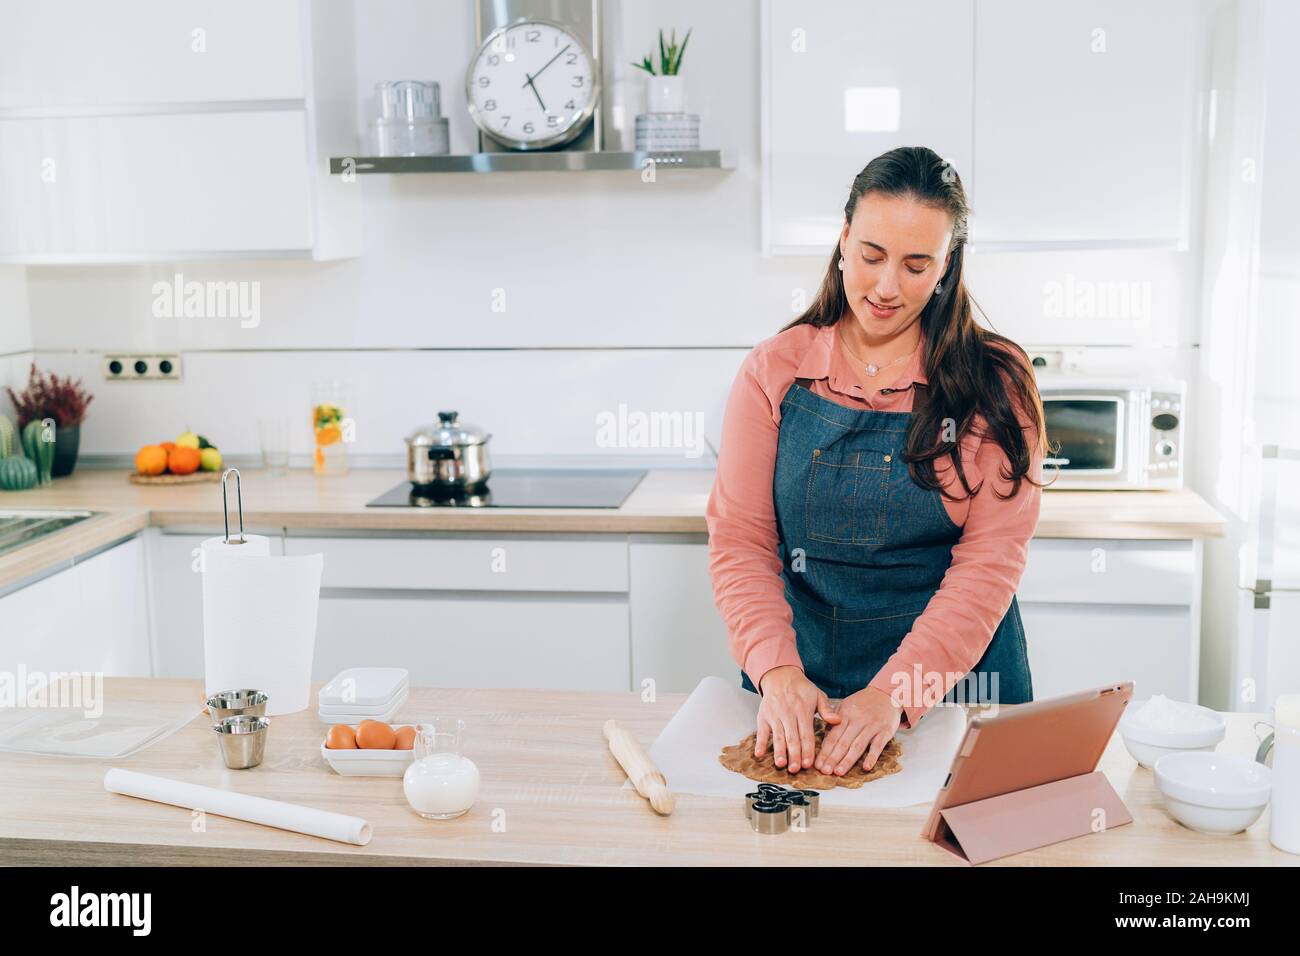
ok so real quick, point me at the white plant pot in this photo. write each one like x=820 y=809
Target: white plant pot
x=665 y=94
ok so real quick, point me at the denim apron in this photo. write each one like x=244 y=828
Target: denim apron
x=863 y=549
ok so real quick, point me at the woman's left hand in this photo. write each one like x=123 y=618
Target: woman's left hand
x=868 y=720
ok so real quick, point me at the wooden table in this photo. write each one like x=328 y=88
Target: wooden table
x=551 y=794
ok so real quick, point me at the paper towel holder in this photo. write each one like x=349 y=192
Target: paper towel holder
x=225 y=505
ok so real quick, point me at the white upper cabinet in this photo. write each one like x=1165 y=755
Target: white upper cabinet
x=132 y=186
x=77 y=53
x=161 y=130
x=1072 y=123
x=1084 y=122
x=846 y=80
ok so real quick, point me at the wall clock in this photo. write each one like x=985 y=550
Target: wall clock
x=534 y=82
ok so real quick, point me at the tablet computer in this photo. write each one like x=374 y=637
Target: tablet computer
x=1027 y=745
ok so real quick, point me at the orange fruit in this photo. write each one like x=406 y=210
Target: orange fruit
x=183 y=461
x=150 y=460
x=167 y=446
x=328 y=435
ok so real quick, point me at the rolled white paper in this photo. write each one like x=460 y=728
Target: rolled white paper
x=239 y=806
x=259 y=621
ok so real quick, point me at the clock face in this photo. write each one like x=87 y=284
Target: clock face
x=532 y=84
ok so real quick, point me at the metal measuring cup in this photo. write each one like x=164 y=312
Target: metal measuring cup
x=236 y=703
x=242 y=740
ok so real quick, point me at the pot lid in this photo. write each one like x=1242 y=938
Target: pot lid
x=448 y=432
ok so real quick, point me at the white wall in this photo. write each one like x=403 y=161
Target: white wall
x=15 y=333
x=622 y=291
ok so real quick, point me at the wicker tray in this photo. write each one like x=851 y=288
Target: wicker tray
x=190 y=479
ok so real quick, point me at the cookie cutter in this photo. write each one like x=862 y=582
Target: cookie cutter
x=770 y=816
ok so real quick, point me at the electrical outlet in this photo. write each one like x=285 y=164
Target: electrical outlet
x=130 y=368
x=1045 y=358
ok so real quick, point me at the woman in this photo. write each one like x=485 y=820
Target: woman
x=879 y=482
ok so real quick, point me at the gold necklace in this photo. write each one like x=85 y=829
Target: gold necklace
x=871 y=368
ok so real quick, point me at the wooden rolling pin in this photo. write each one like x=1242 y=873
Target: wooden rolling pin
x=640 y=769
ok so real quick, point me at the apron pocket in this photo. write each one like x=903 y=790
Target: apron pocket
x=846 y=502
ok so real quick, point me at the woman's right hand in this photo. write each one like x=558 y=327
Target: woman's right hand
x=785 y=717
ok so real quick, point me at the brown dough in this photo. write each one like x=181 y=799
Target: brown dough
x=740 y=758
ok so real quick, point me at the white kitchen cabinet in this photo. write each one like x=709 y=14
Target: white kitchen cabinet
x=168 y=154
x=488 y=639
x=486 y=610
x=1100 y=611
x=481 y=562
x=678 y=636
x=90 y=617
x=1076 y=647
x=83 y=53
x=1084 y=122
x=135 y=185
x=844 y=81
x=176 y=600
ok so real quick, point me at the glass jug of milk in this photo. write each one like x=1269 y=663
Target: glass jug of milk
x=441 y=782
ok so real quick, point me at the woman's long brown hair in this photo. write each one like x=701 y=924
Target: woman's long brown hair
x=971 y=370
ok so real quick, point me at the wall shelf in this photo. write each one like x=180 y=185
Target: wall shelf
x=558 y=161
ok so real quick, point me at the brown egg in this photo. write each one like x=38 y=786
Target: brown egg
x=375 y=735
x=405 y=738
x=341 y=737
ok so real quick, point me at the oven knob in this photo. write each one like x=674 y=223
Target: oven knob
x=1164 y=449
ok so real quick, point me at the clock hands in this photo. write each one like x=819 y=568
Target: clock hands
x=548 y=63
x=529 y=82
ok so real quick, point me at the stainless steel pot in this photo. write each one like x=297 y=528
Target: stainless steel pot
x=448 y=457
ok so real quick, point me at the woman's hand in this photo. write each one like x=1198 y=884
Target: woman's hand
x=867 y=723
x=785 y=717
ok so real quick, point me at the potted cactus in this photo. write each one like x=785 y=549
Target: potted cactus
x=16 y=472
x=50 y=412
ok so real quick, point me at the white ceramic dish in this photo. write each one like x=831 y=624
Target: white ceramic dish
x=1213 y=793
x=357 y=689
x=367 y=763
x=1147 y=745
x=355 y=717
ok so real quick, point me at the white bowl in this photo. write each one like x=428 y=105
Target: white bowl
x=1148 y=745
x=367 y=763
x=1213 y=793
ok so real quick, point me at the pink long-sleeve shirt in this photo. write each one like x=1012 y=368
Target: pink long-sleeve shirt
x=952 y=633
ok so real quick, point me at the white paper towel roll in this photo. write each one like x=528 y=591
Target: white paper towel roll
x=239 y=806
x=259 y=621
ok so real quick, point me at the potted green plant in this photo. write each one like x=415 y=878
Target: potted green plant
x=59 y=406
x=665 y=92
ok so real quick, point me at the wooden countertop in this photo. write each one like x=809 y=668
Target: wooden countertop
x=551 y=794
x=666 y=501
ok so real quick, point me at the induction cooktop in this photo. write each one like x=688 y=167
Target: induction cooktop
x=526 y=488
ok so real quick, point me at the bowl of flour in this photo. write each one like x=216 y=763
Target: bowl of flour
x=1160 y=725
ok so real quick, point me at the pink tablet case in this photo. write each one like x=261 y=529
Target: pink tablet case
x=1027 y=778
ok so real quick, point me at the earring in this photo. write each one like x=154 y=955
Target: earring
x=938 y=287
x=841 y=263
